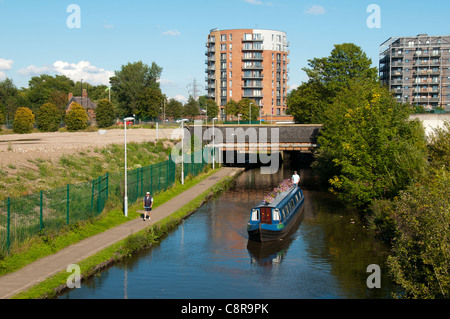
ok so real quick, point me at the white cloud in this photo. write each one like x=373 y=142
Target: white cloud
x=5 y=64
x=180 y=98
x=2 y=75
x=75 y=71
x=172 y=33
x=315 y=10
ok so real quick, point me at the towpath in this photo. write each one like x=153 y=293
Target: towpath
x=32 y=274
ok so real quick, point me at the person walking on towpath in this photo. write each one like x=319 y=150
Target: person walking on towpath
x=148 y=203
x=295 y=179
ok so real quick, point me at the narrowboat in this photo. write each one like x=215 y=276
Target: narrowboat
x=273 y=219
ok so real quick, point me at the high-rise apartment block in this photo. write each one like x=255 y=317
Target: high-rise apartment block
x=248 y=63
x=417 y=70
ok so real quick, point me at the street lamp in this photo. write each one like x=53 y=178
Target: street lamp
x=125 y=200
x=214 y=153
x=250 y=109
x=182 y=149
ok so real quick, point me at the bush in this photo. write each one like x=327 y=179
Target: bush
x=104 y=113
x=48 y=118
x=23 y=120
x=77 y=118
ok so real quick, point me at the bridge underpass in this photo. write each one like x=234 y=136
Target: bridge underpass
x=239 y=144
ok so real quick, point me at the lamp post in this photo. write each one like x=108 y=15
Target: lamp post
x=214 y=150
x=250 y=111
x=182 y=150
x=125 y=200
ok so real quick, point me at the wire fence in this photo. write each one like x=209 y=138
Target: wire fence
x=21 y=218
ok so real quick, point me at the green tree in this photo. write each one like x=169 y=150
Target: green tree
x=149 y=103
x=77 y=118
x=327 y=76
x=211 y=108
x=105 y=113
x=231 y=108
x=48 y=118
x=174 y=109
x=308 y=102
x=41 y=88
x=369 y=148
x=191 y=108
x=244 y=107
x=420 y=259
x=439 y=147
x=23 y=120
x=347 y=62
x=130 y=82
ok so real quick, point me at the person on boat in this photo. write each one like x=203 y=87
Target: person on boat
x=148 y=203
x=295 y=179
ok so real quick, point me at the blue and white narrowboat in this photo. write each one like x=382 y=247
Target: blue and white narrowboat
x=273 y=220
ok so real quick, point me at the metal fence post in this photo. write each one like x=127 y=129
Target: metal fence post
x=67 y=205
x=8 y=225
x=41 y=218
x=107 y=185
x=99 y=191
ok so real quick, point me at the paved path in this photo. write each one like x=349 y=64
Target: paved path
x=46 y=267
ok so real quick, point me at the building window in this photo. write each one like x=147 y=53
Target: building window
x=223 y=37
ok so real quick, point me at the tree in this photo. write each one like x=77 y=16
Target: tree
x=77 y=118
x=41 y=88
x=369 y=148
x=420 y=259
x=231 y=108
x=308 y=102
x=48 y=118
x=149 y=103
x=346 y=62
x=105 y=113
x=23 y=120
x=244 y=107
x=327 y=76
x=174 y=109
x=212 y=110
x=129 y=83
x=191 y=108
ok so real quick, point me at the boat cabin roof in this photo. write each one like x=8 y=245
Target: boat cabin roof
x=278 y=199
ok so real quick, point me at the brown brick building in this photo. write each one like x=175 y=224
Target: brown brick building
x=248 y=63
x=85 y=102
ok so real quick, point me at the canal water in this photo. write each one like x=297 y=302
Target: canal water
x=209 y=256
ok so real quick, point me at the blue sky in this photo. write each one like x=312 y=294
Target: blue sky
x=36 y=39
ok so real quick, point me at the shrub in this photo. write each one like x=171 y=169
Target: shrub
x=23 y=120
x=105 y=114
x=48 y=118
x=77 y=118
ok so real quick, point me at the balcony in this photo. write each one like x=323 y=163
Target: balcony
x=252 y=67
x=252 y=48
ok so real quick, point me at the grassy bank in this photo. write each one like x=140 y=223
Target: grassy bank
x=132 y=244
x=49 y=243
x=82 y=166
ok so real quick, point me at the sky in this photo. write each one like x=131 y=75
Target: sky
x=90 y=40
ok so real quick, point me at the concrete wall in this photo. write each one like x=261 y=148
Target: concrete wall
x=431 y=121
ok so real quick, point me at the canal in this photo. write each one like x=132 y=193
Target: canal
x=209 y=256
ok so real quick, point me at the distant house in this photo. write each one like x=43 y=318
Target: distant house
x=85 y=102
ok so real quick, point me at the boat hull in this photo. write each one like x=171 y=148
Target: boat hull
x=266 y=233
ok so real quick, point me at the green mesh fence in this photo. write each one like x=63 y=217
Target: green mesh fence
x=24 y=217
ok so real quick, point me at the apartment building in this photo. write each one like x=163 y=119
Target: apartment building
x=417 y=70
x=248 y=63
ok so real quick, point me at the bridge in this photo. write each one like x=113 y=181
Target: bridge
x=248 y=143
x=249 y=138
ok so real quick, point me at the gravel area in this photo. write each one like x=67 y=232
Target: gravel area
x=18 y=149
